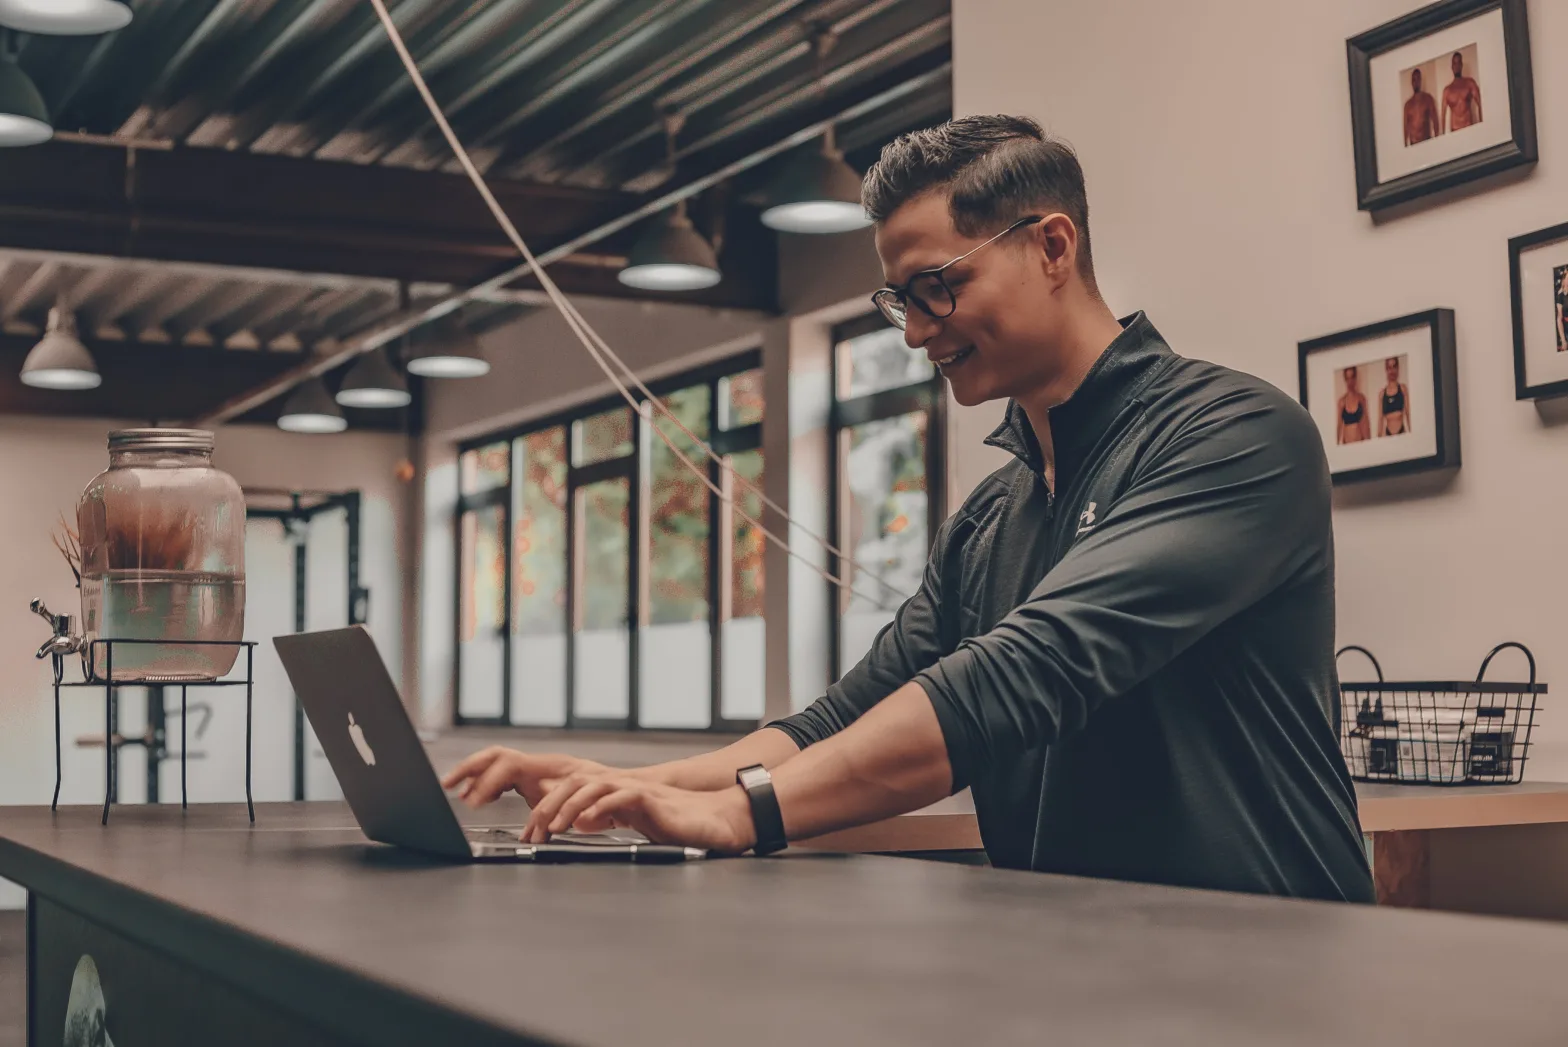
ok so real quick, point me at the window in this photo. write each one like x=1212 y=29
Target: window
x=886 y=421
x=600 y=583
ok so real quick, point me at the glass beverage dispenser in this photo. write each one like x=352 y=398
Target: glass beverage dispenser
x=163 y=559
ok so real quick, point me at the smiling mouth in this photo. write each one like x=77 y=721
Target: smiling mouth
x=948 y=362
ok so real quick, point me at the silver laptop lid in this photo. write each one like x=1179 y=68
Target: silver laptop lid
x=359 y=719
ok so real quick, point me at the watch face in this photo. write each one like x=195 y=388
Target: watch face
x=751 y=776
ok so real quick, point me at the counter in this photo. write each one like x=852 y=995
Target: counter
x=205 y=929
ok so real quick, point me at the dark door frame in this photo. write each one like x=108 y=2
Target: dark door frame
x=303 y=507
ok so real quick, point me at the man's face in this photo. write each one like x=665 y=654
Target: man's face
x=996 y=342
x=1457 y=63
x=1415 y=81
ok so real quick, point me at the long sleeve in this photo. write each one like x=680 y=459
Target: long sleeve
x=1228 y=510
x=912 y=641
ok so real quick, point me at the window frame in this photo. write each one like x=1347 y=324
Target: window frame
x=930 y=396
x=633 y=466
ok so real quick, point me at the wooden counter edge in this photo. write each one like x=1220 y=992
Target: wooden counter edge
x=1439 y=808
x=1420 y=809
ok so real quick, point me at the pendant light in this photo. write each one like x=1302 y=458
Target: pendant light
x=671 y=255
x=24 y=118
x=450 y=352
x=311 y=409
x=817 y=192
x=60 y=360
x=65 y=17
x=374 y=382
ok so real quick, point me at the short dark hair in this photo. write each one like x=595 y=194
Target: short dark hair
x=995 y=169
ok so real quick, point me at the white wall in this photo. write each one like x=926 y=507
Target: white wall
x=1215 y=135
x=44 y=464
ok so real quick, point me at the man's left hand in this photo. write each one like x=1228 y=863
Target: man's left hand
x=715 y=821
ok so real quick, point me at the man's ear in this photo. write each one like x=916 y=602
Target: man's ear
x=1057 y=237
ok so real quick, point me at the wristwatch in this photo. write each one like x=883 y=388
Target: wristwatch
x=765 y=814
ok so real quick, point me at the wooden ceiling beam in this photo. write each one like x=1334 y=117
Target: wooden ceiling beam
x=147 y=382
x=283 y=213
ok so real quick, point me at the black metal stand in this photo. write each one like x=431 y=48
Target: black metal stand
x=155 y=733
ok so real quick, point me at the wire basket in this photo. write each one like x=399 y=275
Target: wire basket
x=1443 y=732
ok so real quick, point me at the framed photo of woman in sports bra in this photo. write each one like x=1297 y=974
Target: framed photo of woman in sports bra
x=1439 y=97
x=1538 y=277
x=1385 y=397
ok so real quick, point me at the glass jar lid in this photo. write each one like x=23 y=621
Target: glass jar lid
x=200 y=440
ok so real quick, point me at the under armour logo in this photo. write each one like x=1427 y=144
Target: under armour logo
x=1087 y=519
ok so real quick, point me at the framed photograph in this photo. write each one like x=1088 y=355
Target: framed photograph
x=1439 y=97
x=1385 y=396
x=1538 y=274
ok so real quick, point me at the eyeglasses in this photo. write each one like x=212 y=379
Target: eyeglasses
x=928 y=289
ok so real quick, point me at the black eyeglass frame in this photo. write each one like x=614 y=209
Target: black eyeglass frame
x=892 y=302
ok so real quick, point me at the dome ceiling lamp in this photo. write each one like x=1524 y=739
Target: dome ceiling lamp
x=311 y=409
x=65 y=17
x=816 y=191
x=60 y=360
x=373 y=382
x=671 y=255
x=450 y=352
x=24 y=118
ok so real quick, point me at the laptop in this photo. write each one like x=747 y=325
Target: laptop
x=386 y=775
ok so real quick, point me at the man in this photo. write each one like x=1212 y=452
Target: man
x=1123 y=643
x=1461 y=98
x=1420 y=112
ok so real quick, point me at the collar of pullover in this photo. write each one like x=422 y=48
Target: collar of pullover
x=1077 y=425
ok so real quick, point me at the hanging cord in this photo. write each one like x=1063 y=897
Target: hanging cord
x=599 y=350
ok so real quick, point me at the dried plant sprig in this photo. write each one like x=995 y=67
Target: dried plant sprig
x=69 y=544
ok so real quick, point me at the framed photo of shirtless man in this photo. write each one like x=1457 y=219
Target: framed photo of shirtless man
x=1440 y=97
x=1385 y=397
x=1538 y=277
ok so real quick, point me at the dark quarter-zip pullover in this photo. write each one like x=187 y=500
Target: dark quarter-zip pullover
x=1135 y=674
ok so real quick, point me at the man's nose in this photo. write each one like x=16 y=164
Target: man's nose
x=919 y=328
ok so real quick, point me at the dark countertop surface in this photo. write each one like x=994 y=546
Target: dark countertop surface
x=386 y=947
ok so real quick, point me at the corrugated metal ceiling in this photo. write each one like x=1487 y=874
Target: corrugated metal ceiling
x=547 y=90
x=170 y=303
x=570 y=92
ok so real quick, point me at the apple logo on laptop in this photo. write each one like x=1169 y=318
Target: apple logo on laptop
x=357 y=733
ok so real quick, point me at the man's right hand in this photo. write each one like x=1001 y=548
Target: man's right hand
x=487 y=774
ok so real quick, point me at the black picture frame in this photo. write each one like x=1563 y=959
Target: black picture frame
x=1517 y=246
x=1520 y=150
x=1445 y=378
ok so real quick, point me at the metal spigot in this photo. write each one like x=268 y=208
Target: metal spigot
x=65 y=640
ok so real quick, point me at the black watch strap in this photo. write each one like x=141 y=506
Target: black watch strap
x=765 y=814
